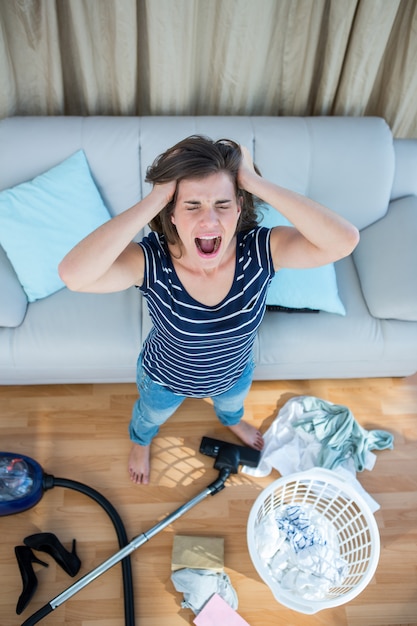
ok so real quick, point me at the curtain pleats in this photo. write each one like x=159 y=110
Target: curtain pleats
x=210 y=57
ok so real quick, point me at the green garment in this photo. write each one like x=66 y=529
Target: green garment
x=340 y=434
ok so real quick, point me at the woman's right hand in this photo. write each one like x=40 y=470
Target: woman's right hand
x=164 y=192
x=106 y=260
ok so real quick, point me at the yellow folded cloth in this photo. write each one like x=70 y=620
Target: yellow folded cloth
x=197 y=553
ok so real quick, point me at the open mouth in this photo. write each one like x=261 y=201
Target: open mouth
x=208 y=245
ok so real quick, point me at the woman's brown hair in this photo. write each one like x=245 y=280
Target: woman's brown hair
x=195 y=157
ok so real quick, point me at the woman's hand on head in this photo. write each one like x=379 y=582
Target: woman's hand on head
x=165 y=191
x=246 y=169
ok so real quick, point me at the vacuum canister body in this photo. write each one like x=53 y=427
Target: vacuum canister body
x=20 y=483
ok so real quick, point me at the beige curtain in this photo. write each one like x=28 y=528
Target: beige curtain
x=210 y=57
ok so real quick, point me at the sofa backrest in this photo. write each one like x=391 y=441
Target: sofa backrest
x=32 y=145
x=347 y=163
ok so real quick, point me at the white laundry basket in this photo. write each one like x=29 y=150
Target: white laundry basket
x=354 y=523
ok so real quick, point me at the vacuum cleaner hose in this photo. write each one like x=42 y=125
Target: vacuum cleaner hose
x=51 y=481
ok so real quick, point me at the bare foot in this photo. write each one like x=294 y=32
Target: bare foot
x=139 y=465
x=248 y=434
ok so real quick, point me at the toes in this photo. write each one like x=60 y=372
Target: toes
x=259 y=441
x=133 y=476
x=139 y=479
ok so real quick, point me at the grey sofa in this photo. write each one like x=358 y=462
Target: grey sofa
x=353 y=165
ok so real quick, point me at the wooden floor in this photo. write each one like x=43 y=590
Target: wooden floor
x=80 y=432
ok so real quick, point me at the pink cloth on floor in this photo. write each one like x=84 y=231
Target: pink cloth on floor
x=216 y=612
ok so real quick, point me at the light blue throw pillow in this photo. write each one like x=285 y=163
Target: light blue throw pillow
x=41 y=220
x=313 y=288
x=14 y=301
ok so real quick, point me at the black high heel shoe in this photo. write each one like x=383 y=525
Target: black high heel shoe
x=25 y=558
x=49 y=543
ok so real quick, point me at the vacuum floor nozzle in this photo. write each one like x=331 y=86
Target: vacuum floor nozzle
x=229 y=455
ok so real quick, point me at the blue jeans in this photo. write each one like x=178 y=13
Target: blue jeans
x=157 y=403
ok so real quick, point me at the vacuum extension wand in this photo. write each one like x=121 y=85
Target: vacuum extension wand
x=228 y=458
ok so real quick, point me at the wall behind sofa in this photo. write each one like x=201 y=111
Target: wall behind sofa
x=200 y=57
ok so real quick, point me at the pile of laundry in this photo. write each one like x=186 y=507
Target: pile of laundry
x=199 y=585
x=310 y=432
x=301 y=549
x=197 y=566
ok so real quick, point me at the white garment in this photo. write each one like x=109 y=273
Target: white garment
x=301 y=549
x=198 y=586
x=290 y=450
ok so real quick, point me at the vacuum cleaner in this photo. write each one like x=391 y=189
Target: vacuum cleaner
x=22 y=483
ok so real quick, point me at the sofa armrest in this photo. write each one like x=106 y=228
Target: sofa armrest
x=386 y=262
x=405 y=178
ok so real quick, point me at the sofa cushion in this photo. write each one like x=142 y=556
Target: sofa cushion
x=300 y=346
x=13 y=299
x=313 y=288
x=73 y=337
x=42 y=219
x=386 y=261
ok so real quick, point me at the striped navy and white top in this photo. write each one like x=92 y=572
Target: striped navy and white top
x=197 y=350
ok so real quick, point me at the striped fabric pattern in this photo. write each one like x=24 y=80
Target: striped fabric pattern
x=194 y=349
